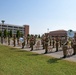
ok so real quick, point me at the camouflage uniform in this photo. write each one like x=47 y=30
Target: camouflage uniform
x=46 y=44
x=50 y=42
x=14 y=40
x=53 y=42
x=56 y=44
x=74 y=48
x=64 y=48
x=60 y=43
x=43 y=42
x=31 y=42
x=23 y=44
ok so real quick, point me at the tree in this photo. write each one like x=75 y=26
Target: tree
x=18 y=34
x=5 y=33
x=38 y=36
x=10 y=33
x=8 y=37
x=35 y=36
x=21 y=34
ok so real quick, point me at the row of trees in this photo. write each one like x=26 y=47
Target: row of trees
x=9 y=34
x=18 y=34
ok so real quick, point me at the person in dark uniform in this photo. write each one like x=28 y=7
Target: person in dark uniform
x=50 y=41
x=56 y=44
x=74 y=47
x=53 y=42
x=23 y=44
x=31 y=42
x=43 y=41
x=34 y=40
x=64 y=48
x=14 y=40
x=60 y=42
x=46 y=44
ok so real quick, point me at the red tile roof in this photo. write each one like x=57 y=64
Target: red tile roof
x=58 y=33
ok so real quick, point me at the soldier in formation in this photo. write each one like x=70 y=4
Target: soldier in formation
x=64 y=48
x=43 y=41
x=69 y=44
x=56 y=44
x=14 y=40
x=23 y=44
x=53 y=42
x=60 y=42
x=46 y=43
x=31 y=42
x=74 y=47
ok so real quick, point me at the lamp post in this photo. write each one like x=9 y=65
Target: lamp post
x=47 y=30
x=2 y=31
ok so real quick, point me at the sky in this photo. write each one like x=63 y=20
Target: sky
x=41 y=15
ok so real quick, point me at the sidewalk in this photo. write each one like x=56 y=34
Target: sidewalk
x=58 y=54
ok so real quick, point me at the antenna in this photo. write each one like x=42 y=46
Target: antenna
x=47 y=30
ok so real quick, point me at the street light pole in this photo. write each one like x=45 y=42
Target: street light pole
x=47 y=30
x=2 y=31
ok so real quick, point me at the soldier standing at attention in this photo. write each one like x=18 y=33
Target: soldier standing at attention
x=50 y=41
x=43 y=41
x=23 y=44
x=64 y=48
x=74 y=47
x=53 y=42
x=14 y=40
x=31 y=42
x=60 y=42
x=56 y=44
x=46 y=44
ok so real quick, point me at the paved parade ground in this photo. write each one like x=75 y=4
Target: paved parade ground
x=52 y=53
x=58 y=54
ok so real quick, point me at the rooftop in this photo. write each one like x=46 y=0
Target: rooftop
x=12 y=25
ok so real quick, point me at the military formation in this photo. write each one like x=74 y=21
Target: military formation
x=48 y=43
x=53 y=42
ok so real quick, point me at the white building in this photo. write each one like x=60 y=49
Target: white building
x=23 y=29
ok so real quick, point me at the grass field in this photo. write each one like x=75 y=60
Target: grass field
x=18 y=62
